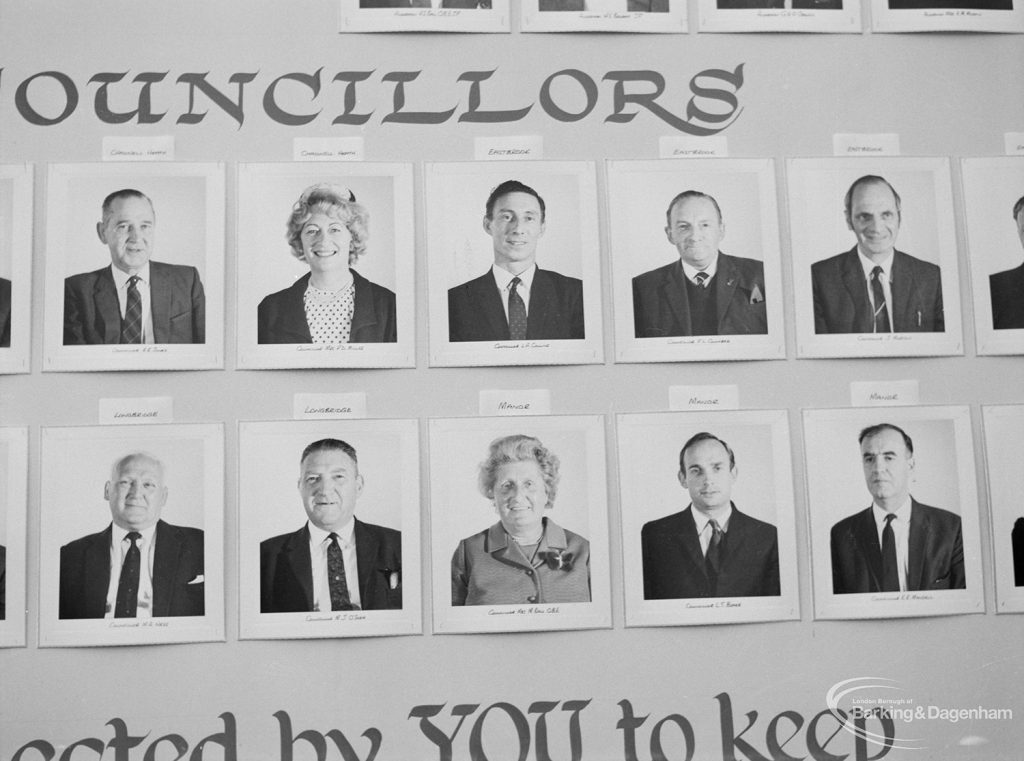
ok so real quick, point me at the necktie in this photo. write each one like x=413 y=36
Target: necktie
x=878 y=296
x=127 y=602
x=131 y=325
x=712 y=559
x=336 y=580
x=890 y=571
x=516 y=312
x=702 y=279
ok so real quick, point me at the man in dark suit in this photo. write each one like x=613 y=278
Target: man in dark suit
x=5 y=312
x=3 y=582
x=134 y=300
x=138 y=566
x=516 y=300
x=831 y=5
x=897 y=544
x=1007 y=288
x=628 y=6
x=706 y=292
x=710 y=549
x=873 y=288
x=1017 y=545
x=335 y=561
x=485 y=4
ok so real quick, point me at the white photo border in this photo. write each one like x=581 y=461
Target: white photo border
x=885 y=19
x=352 y=18
x=1004 y=440
x=16 y=255
x=673 y=20
x=13 y=516
x=844 y=20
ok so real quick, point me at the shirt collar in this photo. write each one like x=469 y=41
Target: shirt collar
x=902 y=513
x=690 y=272
x=121 y=277
x=118 y=534
x=868 y=265
x=504 y=277
x=701 y=520
x=345 y=534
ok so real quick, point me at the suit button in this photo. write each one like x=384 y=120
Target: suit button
x=532 y=598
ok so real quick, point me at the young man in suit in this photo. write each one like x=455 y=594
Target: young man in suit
x=705 y=292
x=515 y=300
x=873 y=288
x=335 y=561
x=138 y=566
x=133 y=300
x=897 y=544
x=710 y=549
x=1007 y=288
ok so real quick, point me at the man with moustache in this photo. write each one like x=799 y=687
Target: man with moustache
x=1007 y=288
x=133 y=300
x=516 y=300
x=139 y=566
x=335 y=561
x=710 y=549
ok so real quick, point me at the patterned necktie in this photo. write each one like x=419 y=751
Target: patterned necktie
x=712 y=560
x=702 y=279
x=890 y=570
x=131 y=325
x=516 y=312
x=337 y=583
x=878 y=296
x=127 y=603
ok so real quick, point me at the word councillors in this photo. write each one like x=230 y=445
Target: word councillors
x=48 y=98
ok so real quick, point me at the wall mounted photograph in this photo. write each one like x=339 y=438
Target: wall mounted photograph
x=13 y=536
x=16 y=182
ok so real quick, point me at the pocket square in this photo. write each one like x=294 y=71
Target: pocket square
x=756 y=297
x=198 y=579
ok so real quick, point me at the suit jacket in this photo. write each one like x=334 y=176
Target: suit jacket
x=988 y=5
x=1007 y=292
x=1017 y=542
x=177 y=565
x=475 y=311
x=796 y=5
x=488 y=569
x=935 y=557
x=673 y=563
x=286 y=570
x=3 y=583
x=842 y=305
x=632 y=6
x=661 y=306
x=92 y=314
x=407 y=4
x=5 y=312
x=281 y=316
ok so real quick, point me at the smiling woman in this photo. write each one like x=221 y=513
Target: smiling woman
x=332 y=304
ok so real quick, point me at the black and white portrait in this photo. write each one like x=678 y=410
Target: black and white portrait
x=15 y=266
x=947 y=15
x=423 y=16
x=1004 y=435
x=13 y=538
x=658 y=16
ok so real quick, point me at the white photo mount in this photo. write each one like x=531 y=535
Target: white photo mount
x=443 y=16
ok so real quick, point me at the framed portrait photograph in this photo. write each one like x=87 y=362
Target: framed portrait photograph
x=15 y=267
x=696 y=267
x=658 y=16
x=326 y=265
x=893 y=507
x=132 y=527
x=780 y=16
x=1004 y=440
x=514 y=266
x=519 y=524
x=893 y=288
x=423 y=16
x=329 y=529
x=13 y=538
x=994 y=203
x=947 y=16
x=708 y=529
x=134 y=266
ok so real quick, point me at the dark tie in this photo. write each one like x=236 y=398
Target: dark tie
x=878 y=296
x=890 y=570
x=516 y=312
x=131 y=325
x=127 y=602
x=336 y=580
x=712 y=559
x=702 y=279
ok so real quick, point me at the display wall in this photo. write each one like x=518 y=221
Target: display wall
x=703 y=691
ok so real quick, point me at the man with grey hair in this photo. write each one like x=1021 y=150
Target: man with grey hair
x=139 y=566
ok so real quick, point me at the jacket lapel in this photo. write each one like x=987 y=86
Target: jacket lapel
x=292 y=319
x=159 y=304
x=296 y=550
x=866 y=534
x=543 y=307
x=486 y=301
x=857 y=289
x=166 y=557
x=689 y=541
x=364 y=317
x=906 y=313
x=673 y=292
x=727 y=281
x=367 y=550
x=917 y=540
x=104 y=296
x=97 y=574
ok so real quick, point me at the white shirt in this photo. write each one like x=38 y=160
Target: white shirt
x=606 y=6
x=319 y=540
x=121 y=285
x=503 y=279
x=119 y=546
x=703 y=523
x=901 y=533
x=690 y=272
x=886 y=278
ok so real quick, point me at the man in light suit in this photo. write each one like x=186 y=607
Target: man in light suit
x=1007 y=288
x=705 y=292
x=873 y=288
x=897 y=544
x=134 y=300
x=138 y=566
x=516 y=300
x=335 y=561
x=5 y=312
x=710 y=549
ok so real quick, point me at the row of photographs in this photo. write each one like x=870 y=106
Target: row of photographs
x=329 y=541
x=670 y=16
x=326 y=258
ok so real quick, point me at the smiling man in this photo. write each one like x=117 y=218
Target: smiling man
x=873 y=288
x=704 y=292
x=139 y=566
x=133 y=300
x=516 y=300
x=335 y=561
x=710 y=549
x=897 y=544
